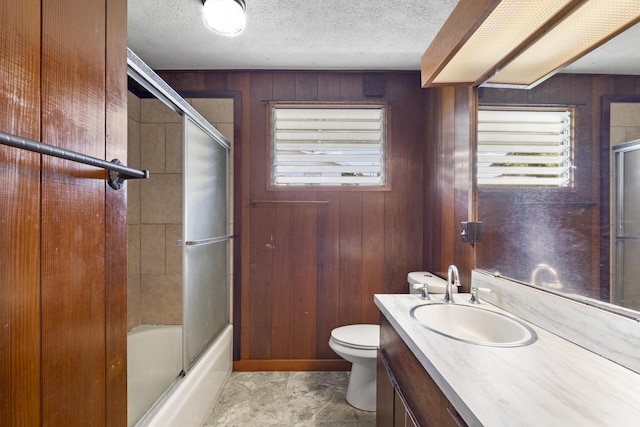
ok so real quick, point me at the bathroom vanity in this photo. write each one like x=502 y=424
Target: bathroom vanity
x=407 y=395
x=427 y=379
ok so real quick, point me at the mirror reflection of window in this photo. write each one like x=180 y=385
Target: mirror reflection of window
x=525 y=147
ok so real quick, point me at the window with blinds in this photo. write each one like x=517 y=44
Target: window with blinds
x=328 y=146
x=528 y=147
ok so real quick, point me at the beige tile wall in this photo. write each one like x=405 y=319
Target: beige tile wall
x=625 y=122
x=154 y=214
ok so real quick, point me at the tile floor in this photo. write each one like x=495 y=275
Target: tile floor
x=287 y=399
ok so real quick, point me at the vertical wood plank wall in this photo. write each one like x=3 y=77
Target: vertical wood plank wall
x=448 y=182
x=63 y=334
x=20 y=216
x=306 y=270
x=116 y=218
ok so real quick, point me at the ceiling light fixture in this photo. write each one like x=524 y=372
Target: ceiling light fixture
x=227 y=17
x=517 y=43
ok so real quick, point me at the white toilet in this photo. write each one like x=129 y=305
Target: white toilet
x=359 y=344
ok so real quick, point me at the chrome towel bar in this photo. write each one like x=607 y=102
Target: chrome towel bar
x=255 y=203
x=118 y=173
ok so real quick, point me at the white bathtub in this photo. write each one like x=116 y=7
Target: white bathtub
x=154 y=359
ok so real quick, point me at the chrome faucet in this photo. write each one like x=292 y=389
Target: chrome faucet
x=551 y=273
x=453 y=278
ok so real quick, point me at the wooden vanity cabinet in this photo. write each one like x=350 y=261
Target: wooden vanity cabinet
x=406 y=394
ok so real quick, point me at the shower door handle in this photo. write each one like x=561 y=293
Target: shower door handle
x=208 y=241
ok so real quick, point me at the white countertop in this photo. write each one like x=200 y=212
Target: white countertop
x=551 y=382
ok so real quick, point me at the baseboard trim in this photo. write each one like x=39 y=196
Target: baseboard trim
x=291 y=365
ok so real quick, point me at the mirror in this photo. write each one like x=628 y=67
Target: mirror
x=563 y=239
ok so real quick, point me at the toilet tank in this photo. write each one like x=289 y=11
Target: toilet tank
x=435 y=284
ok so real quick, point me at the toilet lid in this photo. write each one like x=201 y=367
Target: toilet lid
x=358 y=336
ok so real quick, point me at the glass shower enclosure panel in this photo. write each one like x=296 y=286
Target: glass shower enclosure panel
x=206 y=239
x=626 y=171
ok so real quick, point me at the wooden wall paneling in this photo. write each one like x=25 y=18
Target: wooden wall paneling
x=464 y=142
x=306 y=86
x=416 y=168
x=452 y=190
x=257 y=291
x=395 y=209
x=516 y=97
x=625 y=84
x=404 y=204
x=446 y=166
x=540 y=95
x=431 y=197
x=559 y=91
x=20 y=216
x=350 y=276
x=185 y=80
x=588 y=172
x=282 y=294
x=257 y=296
x=328 y=285
x=116 y=217
x=328 y=87
x=373 y=254
x=351 y=89
x=604 y=86
x=396 y=238
x=73 y=209
x=283 y=86
x=215 y=81
x=304 y=280
x=240 y=82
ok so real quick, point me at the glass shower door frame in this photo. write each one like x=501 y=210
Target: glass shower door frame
x=150 y=81
x=622 y=234
x=206 y=248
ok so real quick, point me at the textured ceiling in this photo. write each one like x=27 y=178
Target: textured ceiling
x=281 y=34
x=317 y=35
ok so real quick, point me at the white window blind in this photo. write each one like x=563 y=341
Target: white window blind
x=328 y=146
x=524 y=147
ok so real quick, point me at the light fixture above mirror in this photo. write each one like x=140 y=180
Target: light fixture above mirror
x=226 y=17
x=516 y=43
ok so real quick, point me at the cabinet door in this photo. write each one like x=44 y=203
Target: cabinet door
x=451 y=418
x=401 y=414
x=385 y=396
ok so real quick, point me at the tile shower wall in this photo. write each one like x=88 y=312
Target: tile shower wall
x=625 y=122
x=154 y=219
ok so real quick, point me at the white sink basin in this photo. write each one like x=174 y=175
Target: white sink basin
x=474 y=325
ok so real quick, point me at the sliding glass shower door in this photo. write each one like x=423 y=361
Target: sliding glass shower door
x=206 y=236
x=626 y=205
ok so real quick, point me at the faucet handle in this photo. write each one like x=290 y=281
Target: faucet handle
x=474 y=294
x=423 y=287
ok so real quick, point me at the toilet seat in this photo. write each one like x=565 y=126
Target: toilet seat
x=365 y=337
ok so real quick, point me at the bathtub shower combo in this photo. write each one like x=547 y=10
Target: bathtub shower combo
x=175 y=372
